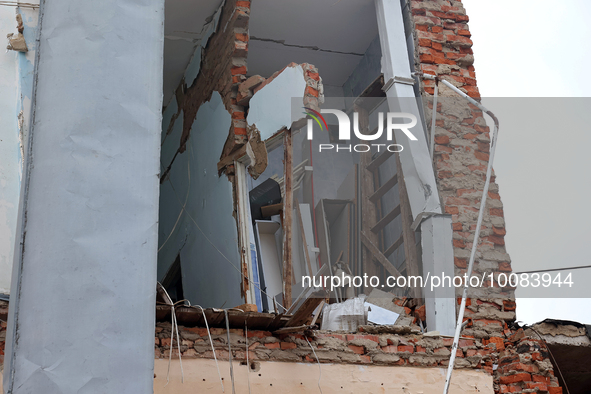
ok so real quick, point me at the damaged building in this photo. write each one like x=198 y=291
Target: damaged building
x=175 y=171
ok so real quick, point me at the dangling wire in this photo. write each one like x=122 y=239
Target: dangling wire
x=212 y=348
x=247 y=361
x=318 y=361
x=230 y=351
x=173 y=328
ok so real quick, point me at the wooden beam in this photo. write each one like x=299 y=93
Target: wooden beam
x=303 y=234
x=385 y=220
x=304 y=312
x=373 y=249
x=237 y=154
x=394 y=246
x=287 y=218
x=410 y=247
x=378 y=161
x=390 y=183
x=369 y=213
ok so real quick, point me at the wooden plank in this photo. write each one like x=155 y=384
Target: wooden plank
x=378 y=161
x=304 y=312
x=394 y=246
x=287 y=219
x=319 y=307
x=271 y=210
x=373 y=249
x=390 y=183
x=367 y=188
x=410 y=247
x=303 y=234
x=288 y=330
x=385 y=220
x=237 y=154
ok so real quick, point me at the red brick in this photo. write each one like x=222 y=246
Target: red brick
x=458 y=243
x=460 y=263
x=496 y=212
x=540 y=378
x=273 y=345
x=258 y=334
x=239 y=130
x=365 y=359
x=496 y=240
x=539 y=385
x=509 y=305
x=420 y=313
x=357 y=349
x=424 y=42
x=197 y=330
x=404 y=348
x=457 y=201
x=314 y=76
x=499 y=231
x=288 y=345
x=311 y=91
x=497 y=341
x=245 y=4
x=242 y=37
x=520 y=377
x=427 y=58
x=481 y=156
x=239 y=70
x=442 y=139
x=505 y=267
x=389 y=349
x=555 y=390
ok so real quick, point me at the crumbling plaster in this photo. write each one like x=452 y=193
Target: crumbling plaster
x=16 y=80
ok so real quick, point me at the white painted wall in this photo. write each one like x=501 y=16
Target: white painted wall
x=201 y=376
x=16 y=78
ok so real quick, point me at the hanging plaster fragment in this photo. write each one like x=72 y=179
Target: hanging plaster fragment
x=17 y=42
x=256 y=151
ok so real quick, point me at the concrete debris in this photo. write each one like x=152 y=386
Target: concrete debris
x=345 y=316
x=256 y=151
x=17 y=42
x=246 y=88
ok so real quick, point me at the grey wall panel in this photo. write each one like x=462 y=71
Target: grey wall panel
x=83 y=314
x=210 y=260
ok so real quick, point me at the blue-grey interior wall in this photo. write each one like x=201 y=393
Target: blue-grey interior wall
x=204 y=233
x=82 y=304
x=367 y=70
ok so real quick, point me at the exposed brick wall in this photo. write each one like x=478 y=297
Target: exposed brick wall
x=516 y=362
x=223 y=68
x=444 y=48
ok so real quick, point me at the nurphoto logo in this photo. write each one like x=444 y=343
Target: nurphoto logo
x=394 y=121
